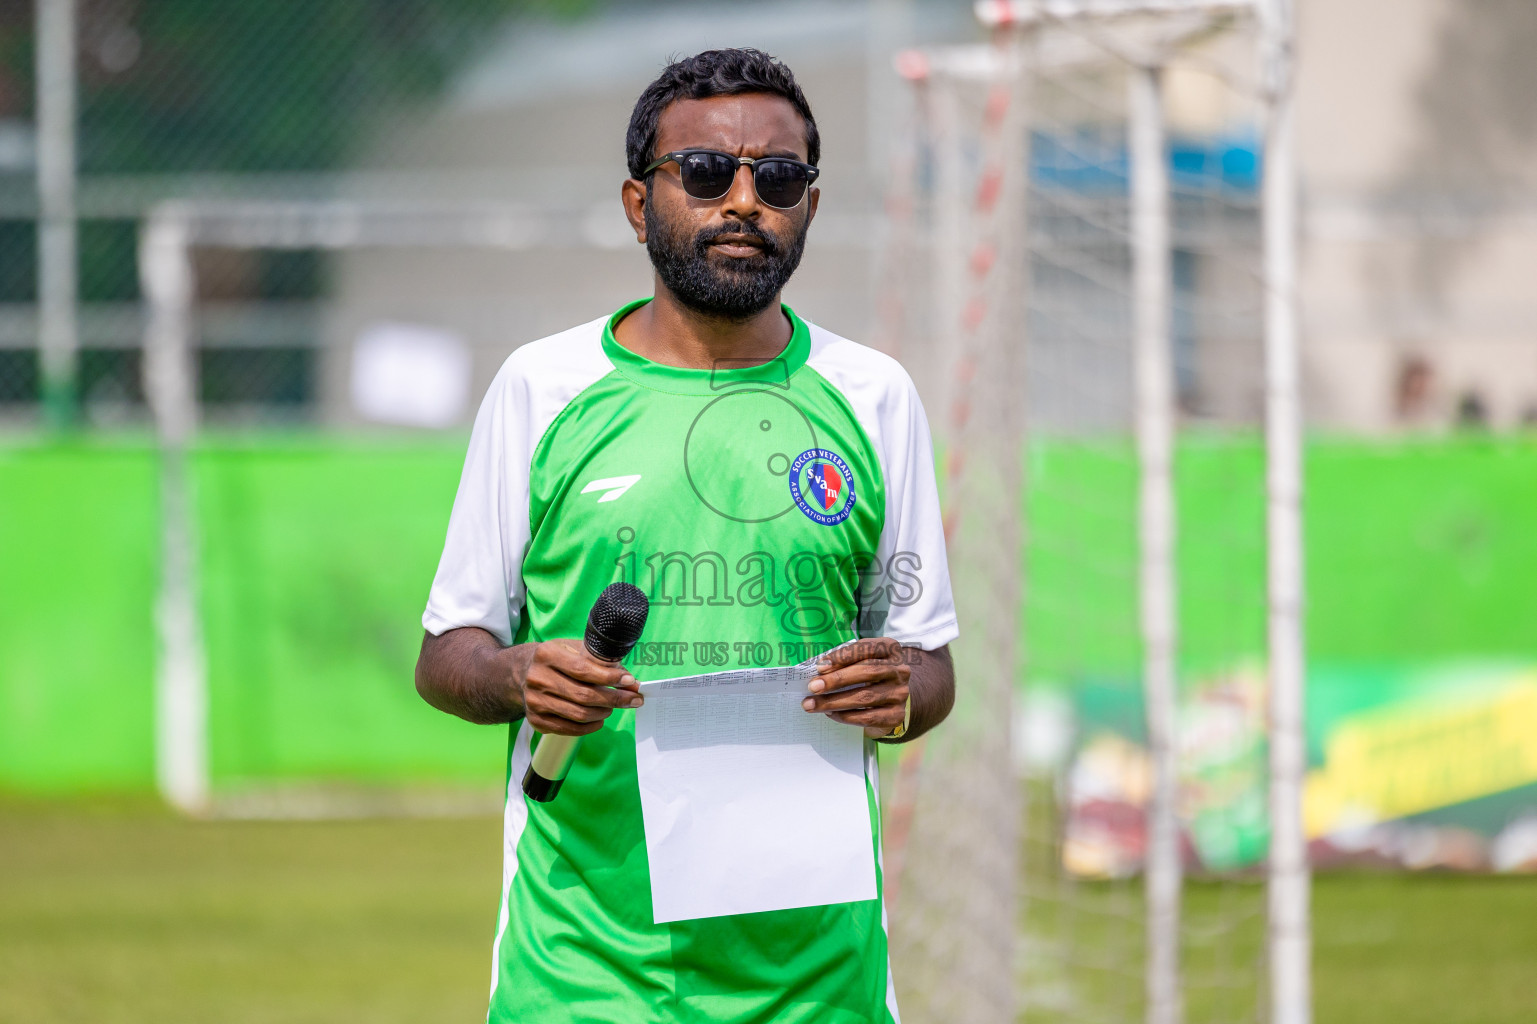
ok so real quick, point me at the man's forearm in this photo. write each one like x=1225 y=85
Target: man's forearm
x=467 y=672
x=932 y=688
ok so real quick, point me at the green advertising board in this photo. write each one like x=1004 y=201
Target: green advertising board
x=316 y=556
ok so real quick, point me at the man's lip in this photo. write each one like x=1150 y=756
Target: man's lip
x=750 y=240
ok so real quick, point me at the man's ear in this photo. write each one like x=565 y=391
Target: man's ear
x=633 y=195
x=811 y=202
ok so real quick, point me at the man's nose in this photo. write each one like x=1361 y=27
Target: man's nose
x=742 y=200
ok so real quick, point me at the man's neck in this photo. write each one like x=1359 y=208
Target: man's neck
x=666 y=331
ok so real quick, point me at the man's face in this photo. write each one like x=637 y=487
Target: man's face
x=726 y=257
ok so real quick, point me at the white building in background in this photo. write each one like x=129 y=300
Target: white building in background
x=1418 y=139
x=1418 y=146
x=540 y=120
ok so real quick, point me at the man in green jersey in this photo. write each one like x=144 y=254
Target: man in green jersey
x=770 y=486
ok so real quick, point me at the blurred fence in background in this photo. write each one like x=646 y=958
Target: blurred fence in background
x=380 y=201
x=1419 y=214
x=321 y=365
x=522 y=103
x=318 y=354
x=181 y=98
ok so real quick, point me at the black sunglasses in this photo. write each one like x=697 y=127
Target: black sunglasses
x=707 y=174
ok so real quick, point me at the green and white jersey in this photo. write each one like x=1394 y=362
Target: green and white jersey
x=770 y=512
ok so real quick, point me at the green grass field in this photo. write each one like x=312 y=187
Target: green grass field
x=119 y=913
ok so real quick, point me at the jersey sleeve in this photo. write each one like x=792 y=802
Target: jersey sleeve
x=479 y=581
x=919 y=607
x=904 y=593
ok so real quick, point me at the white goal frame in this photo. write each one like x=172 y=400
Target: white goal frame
x=166 y=270
x=1288 y=881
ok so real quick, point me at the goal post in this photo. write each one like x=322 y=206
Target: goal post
x=181 y=689
x=1289 y=932
x=953 y=932
x=1061 y=44
x=169 y=235
x=1154 y=414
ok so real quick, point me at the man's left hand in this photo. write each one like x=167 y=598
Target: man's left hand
x=879 y=674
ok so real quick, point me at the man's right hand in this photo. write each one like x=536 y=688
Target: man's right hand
x=564 y=690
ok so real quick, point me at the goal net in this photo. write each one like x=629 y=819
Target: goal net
x=1075 y=273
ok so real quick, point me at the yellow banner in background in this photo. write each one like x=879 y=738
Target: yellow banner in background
x=1408 y=760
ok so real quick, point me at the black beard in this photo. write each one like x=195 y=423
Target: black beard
x=737 y=291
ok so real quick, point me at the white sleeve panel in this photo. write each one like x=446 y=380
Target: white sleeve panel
x=480 y=576
x=915 y=572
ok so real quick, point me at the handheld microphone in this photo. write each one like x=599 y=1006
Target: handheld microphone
x=613 y=626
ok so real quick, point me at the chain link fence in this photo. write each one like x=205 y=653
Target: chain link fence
x=180 y=98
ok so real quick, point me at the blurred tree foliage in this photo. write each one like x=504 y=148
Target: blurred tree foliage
x=230 y=87
x=269 y=85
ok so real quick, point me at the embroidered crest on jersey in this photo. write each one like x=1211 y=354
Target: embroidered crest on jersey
x=822 y=486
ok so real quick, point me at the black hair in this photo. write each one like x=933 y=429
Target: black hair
x=712 y=73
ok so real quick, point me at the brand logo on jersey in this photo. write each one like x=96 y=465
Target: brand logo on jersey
x=614 y=485
x=822 y=486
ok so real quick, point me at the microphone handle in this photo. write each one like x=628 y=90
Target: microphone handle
x=549 y=766
x=548 y=769
x=613 y=627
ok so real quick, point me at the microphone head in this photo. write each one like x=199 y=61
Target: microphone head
x=616 y=621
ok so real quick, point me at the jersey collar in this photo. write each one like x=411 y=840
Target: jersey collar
x=686 y=381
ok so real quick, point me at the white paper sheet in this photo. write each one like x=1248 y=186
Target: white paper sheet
x=750 y=804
